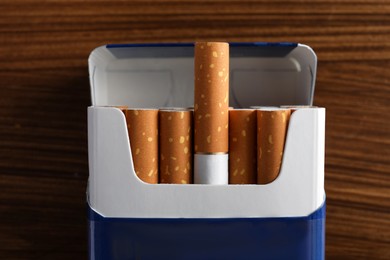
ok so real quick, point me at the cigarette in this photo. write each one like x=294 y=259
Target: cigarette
x=175 y=129
x=142 y=125
x=211 y=117
x=272 y=126
x=242 y=146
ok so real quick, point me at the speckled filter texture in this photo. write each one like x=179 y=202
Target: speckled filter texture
x=242 y=146
x=142 y=125
x=211 y=97
x=271 y=134
x=175 y=127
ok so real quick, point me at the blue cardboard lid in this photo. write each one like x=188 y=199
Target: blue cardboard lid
x=158 y=75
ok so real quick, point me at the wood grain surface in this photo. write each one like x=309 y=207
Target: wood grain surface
x=44 y=93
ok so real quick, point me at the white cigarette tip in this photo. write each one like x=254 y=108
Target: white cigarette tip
x=211 y=169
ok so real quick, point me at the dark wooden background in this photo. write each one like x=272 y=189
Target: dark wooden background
x=44 y=93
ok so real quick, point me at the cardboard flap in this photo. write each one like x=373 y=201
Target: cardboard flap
x=158 y=75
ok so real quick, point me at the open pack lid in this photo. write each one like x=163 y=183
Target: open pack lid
x=162 y=75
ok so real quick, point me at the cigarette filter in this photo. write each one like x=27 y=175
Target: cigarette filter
x=175 y=146
x=271 y=133
x=242 y=146
x=211 y=134
x=142 y=125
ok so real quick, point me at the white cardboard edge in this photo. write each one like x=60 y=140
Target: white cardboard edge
x=313 y=68
x=211 y=169
x=116 y=191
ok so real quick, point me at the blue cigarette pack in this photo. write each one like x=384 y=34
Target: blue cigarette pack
x=131 y=219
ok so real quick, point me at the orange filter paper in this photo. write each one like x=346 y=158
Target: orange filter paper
x=142 y=125
x=271 y=134
x=211 y=97
x=176 y=146
x=242 y=146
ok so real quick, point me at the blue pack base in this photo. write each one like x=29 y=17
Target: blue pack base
x=241 y=238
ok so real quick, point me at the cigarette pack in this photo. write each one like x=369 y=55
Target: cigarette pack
x=131 y=219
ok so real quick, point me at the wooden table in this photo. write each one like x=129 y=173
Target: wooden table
x=44 y=92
